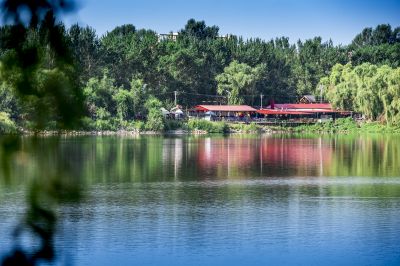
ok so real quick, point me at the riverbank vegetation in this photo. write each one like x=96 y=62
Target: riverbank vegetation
x=123 y=76
x=345 y=125
x=371 y=90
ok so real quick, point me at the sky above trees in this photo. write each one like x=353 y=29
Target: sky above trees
x=339 y=20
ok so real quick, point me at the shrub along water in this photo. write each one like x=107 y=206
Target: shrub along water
x=346 y=125
x=7 y=126
x=252 y=127
x=208 y=126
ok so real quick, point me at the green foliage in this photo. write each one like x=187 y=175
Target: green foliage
x=87 y=124
x=118 y=71
x=345 y=125
x=139 y=96
x=104 y=121
x=314 y=61
x=208 y=126
x=238 y=79
x=376 y=127
x=124 y=100
x=113 y=108
x=155 y=119
x=382 y=34
x=371 y=90
x=139 y=125
x=174 y=124
x=198 y=29
x=338 y=125
x=7 y=126
x=9 y=102
x=85 y=47
x=38 y=66
x=244 y=128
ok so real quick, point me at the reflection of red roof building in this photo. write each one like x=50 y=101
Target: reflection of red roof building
x=296 y=152
x=233 y=152
x=273 y=155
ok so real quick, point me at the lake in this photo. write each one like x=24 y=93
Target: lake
x=215 y=200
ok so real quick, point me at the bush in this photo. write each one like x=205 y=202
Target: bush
x=101 y=125
x=133 y=125
x=376 y=127
x=7 y=126
x=252 y=127
x=174 y=124
x=345 y=124
x=155 y=119
x=139 y=125
x=210 y=127
x=87 y=124
x=338 y=125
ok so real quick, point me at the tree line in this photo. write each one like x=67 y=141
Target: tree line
x=126 y=72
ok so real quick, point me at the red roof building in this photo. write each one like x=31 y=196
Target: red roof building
x=300 y=109
x=225 y=108
x=282 y=112
x=307 y=106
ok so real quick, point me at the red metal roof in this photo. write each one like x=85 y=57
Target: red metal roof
x=301 y=106
x=281 y=112
x=328 y=111
x=225 y=108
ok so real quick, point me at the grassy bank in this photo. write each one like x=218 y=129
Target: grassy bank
x=341 y=125
x=345 y=125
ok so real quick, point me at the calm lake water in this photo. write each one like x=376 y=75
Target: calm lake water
x=237 y=200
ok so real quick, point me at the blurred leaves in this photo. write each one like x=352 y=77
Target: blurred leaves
x=38 y=65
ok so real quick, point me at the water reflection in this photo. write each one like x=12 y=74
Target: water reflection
x=115 y=159
x=218 y=200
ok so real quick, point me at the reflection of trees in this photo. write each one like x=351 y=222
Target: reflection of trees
x=366 y=156
x=54 y=165
x=141 y=159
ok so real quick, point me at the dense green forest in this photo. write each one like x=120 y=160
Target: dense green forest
x=126 y=74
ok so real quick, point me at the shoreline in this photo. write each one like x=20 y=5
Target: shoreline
x=339 y=126
x=127 y=133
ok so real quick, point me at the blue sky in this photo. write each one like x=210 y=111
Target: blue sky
x=339 y=20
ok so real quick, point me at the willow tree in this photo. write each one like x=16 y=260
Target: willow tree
x=367 y=95
x=371 y=90
x=393 y=107
x=238 y=79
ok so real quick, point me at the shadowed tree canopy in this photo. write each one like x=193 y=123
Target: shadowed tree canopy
x=382 y=34
x=123 y=31
x=85 y=46
x=198 y=29
x=38 y=62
